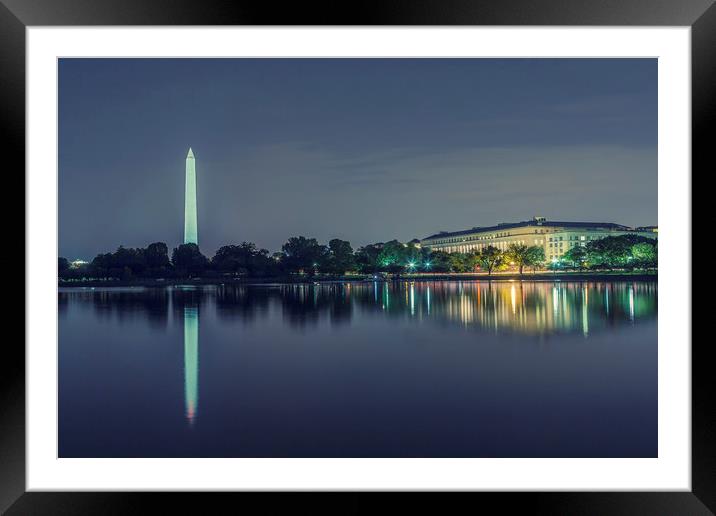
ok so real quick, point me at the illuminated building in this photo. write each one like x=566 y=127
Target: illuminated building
x=556 y=238
x=190 y=224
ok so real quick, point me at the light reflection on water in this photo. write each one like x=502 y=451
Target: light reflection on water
x=191 y=362
x=527 y=311
x=524 y=307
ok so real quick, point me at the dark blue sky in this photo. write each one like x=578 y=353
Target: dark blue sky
x=362 y=149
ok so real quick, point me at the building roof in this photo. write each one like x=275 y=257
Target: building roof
x=527 y=223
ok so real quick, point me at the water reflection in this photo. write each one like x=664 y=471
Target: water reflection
x=532 y=308
x=523 y=307
x=362 y=369
x=191 y=362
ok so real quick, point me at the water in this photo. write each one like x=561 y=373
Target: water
x=410 y=369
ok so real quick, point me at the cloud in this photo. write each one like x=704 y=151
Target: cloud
x=402 y=193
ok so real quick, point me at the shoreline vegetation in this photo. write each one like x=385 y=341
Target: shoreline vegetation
x=304 y=260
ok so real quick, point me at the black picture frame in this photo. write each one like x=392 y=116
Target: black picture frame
x=16 y=15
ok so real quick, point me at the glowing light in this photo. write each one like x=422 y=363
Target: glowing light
x=513 y=299
x=631 y=304
x=585 y=311
x=411 y=265
x=555 y=299
x=76 y=264
x=191 y=362
x=428 y=265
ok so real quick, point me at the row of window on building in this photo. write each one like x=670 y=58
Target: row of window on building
x=459 y=240
x=574 y=237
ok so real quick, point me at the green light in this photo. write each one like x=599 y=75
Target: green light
x=191 y=362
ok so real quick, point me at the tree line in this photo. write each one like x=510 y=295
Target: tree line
x=301 y=255
x=624 y=251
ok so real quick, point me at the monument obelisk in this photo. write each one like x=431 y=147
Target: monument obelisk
x=190 y=225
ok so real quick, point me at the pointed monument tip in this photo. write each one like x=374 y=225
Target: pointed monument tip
x=190 y=154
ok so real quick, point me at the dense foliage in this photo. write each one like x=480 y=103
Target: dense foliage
x=306 y=256
x=616 y=252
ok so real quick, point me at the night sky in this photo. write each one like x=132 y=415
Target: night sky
x=361 y=149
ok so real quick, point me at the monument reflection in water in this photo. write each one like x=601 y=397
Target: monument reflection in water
x=364 y=369
x=191 y=361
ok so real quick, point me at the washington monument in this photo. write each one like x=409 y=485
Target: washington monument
x=190 y=227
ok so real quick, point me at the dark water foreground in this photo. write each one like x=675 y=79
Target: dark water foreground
x=410 y=369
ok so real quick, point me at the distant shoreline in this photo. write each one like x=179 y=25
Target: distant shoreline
x=539 y=276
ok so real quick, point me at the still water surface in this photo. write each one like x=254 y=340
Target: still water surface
x=409 y=369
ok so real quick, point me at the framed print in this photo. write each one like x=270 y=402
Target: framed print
x=409 y=250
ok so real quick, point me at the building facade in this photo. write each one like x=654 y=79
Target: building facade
x=556 y=238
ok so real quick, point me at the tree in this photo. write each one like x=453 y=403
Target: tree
x=472 y=261
x=577 y=256
x=340 y=256
x=130 y=258
x=439 y=261
x=463 y=262
x=518 y=254
x=303 y=254
x=535 y=257
x=367 y=258
x=188 y=260
x=63 y=265
x=244 y=258
x=425 y=259
x=412 y=256
x=644 y=253
x=102 y=266
x=490 y=258
x=261 y=264
x=613 y=251
x=392 y=257
x=234 y=258
x=157 y=255
x=456 y=262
